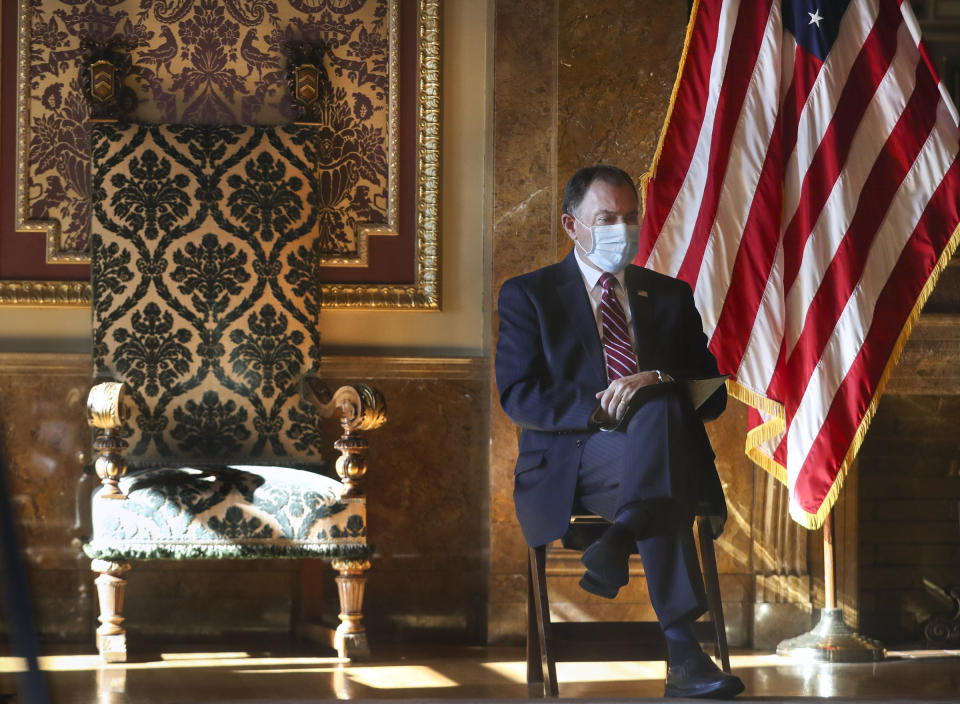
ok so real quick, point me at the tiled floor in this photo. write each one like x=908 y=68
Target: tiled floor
x=288 y=673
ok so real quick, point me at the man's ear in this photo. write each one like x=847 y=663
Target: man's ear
x=569 y=225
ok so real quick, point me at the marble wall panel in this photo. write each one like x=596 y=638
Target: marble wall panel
x=617 y=65
x=427 y=486
x=42 y=429
x=737 y=476
x=524 y=238
x=427 y=489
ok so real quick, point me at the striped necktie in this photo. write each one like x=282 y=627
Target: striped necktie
x=621 y=360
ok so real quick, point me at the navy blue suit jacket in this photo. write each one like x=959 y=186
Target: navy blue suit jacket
x=550 y=366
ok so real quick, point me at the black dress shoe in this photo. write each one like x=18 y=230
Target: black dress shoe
x=589 y=582
x=606 y=561
x=698 y=677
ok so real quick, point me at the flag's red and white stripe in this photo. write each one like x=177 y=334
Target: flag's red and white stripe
x=811 y=204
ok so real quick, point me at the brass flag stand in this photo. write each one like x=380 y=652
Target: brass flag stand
x=831 y=640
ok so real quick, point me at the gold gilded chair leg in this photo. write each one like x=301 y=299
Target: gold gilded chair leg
x=350 y=639
x=111 y=635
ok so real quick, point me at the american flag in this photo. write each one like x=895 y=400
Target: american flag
x=806 y=185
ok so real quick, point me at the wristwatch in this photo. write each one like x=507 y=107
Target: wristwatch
x=660 y=376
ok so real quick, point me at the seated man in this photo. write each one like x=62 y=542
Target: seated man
x=578 y=340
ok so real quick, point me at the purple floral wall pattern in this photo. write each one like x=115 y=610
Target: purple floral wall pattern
x=213 y=62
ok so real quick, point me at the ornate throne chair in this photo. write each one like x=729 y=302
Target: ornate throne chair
x=206 y=404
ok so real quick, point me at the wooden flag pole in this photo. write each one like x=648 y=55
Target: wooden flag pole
x=829 y=565
x=831 y=640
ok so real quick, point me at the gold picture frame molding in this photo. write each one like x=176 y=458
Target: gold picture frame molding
x=422 y=294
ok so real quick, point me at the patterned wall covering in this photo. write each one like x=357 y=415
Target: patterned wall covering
x=212 y=62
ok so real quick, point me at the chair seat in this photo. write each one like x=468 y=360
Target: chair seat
x=235 y=511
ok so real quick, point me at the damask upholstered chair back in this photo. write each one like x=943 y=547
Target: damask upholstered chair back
x=206 y=289
x=207 y=399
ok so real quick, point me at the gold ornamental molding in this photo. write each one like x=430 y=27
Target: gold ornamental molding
x=422 y=294
x=63 y=294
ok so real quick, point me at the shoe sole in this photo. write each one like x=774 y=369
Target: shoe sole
x=724 y=690
x=597 y=587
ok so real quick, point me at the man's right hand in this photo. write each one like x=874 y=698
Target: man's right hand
x=616 y=397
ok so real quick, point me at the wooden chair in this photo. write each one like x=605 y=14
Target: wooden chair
x=548 y=642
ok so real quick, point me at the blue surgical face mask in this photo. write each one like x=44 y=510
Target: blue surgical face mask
x=614 y=246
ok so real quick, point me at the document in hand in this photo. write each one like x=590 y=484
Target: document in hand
x=698 y=390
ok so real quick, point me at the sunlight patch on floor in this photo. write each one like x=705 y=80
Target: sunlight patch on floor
x=922 y=654
x=9 y=664
x=286 y=670
x=400 y=677
x=619 y=671
x=766 y=660
x=168 y=661
x=584 y=671
x=204 y=656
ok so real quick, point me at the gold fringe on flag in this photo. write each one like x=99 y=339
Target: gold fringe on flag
x=763 y=432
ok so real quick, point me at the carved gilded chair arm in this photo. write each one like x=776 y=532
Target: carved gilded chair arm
x=361 y=407
x=105 y=407
x=106 y=411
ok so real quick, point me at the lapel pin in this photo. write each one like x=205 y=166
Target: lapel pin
x=642 y=292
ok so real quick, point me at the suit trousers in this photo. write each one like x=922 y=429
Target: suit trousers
x=650 y=465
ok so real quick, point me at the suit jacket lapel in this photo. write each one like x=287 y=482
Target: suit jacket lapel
x=576 y=303
x=639 y=296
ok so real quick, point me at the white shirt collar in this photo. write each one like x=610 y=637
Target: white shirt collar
x=590 y=275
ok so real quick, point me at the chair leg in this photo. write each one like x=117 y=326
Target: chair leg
x=111 y=635
x=534 y=658
x=350 y=639
x=712 y=583
x=538 y=573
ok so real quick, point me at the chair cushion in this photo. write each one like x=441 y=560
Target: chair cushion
x=236 y=511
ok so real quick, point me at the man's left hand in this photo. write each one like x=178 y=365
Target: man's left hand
x=615 y=398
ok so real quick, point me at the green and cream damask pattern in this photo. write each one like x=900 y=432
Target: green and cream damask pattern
x=206 y=288
x=228 y=512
